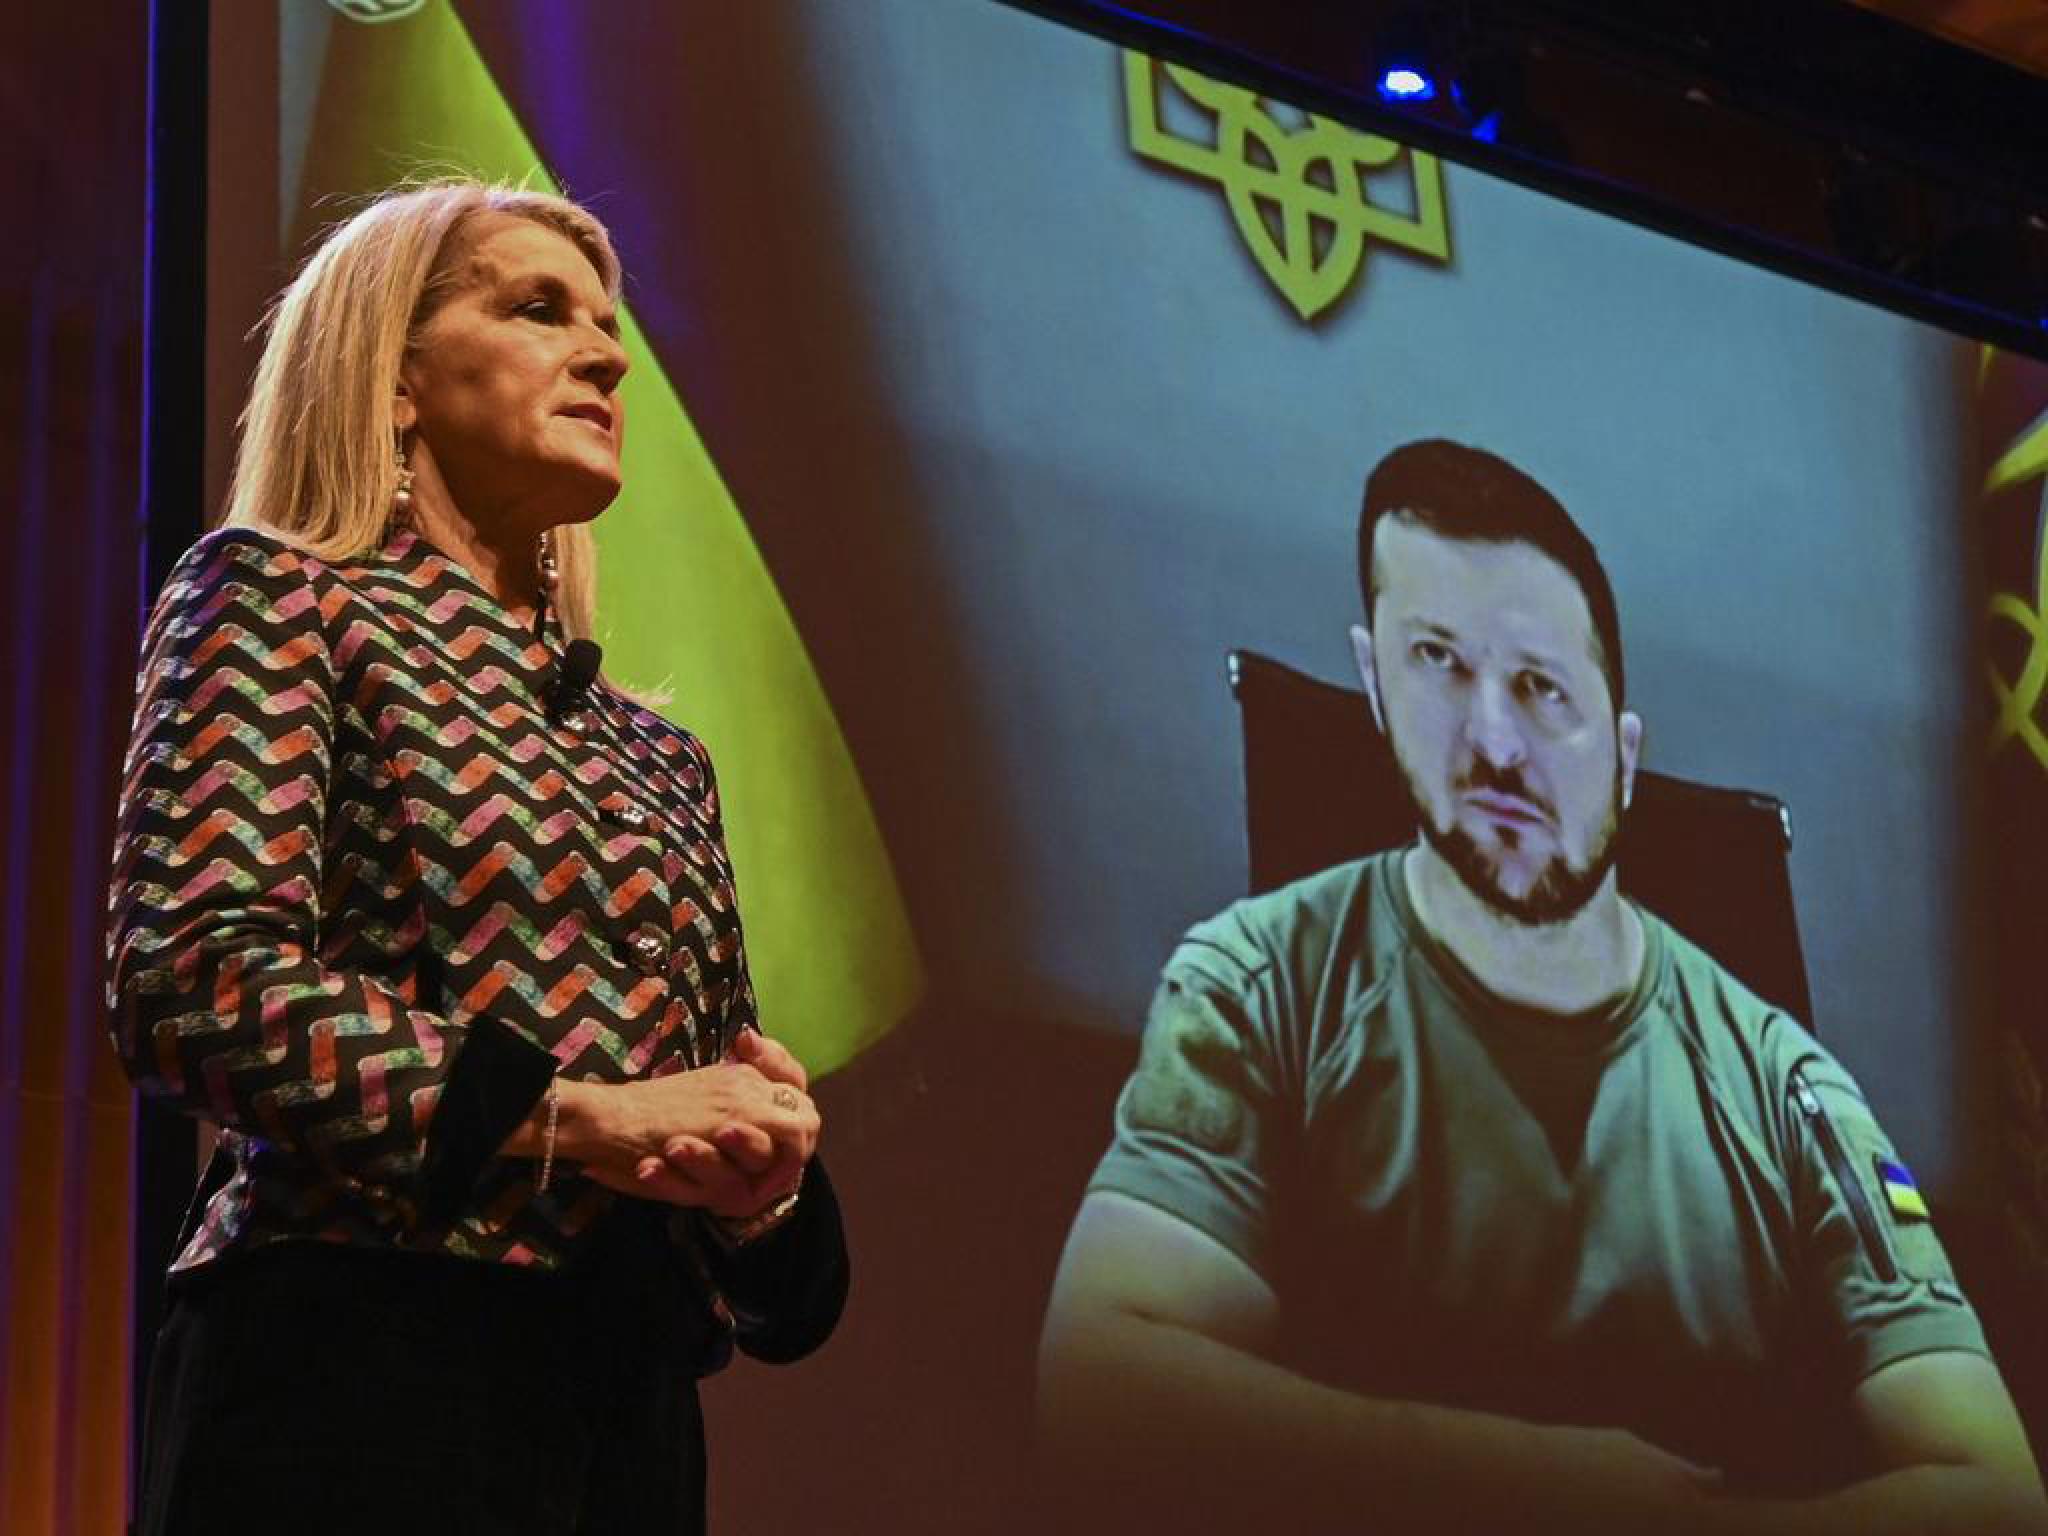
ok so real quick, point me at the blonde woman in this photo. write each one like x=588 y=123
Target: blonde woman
x=439 y=930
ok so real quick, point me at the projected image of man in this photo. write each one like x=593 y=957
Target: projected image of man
x=1454 y=1190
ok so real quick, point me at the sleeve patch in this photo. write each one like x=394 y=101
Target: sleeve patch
x=1900 y=1191
x=1187 y=1077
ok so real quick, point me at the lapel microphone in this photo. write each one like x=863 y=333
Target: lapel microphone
x=571 y=685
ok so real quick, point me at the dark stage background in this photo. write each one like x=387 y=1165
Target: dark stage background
x=72 y=178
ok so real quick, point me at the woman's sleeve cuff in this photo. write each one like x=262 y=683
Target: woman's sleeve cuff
x=497 y=1077
x=787 y=1288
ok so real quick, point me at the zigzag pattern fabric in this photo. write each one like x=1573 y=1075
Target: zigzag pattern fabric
x=349 y=834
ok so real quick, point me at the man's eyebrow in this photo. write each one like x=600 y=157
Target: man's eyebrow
x=1420 y=627
x=1546 y=660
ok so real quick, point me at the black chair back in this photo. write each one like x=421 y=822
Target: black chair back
x=1321 y=787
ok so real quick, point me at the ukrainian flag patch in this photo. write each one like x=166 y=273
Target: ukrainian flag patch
x=1900 y=1190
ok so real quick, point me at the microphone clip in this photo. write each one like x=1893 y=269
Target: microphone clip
x=569 y=690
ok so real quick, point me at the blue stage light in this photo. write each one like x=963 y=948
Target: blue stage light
x=1405 y=83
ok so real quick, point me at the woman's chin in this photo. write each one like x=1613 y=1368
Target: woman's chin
x=585 y=494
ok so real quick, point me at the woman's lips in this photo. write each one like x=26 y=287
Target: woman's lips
x=596 y=415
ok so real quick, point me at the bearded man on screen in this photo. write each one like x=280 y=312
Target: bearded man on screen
x=1455 y=1191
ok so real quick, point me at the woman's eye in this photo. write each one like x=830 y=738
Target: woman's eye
x=538 y=309
x=1543 y=689
x=1433 y=654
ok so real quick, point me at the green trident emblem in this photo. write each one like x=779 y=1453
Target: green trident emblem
x=1298 y=195
x=373 y=11
x=2019 y=699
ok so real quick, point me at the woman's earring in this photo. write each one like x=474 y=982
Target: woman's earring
x=550 y=572
x=401 y=499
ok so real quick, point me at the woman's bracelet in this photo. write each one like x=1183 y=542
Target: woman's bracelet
x=547 y=1137
x=741 y=1230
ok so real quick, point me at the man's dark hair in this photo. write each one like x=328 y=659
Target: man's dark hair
x=1458 y=492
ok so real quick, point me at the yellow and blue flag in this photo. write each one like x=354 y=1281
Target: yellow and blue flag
x=1900 y=1190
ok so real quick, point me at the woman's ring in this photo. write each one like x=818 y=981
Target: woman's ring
x=784 y=1096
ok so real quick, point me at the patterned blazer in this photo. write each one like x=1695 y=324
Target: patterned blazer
x=368 y=897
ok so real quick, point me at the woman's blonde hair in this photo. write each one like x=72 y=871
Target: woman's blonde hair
x=317 y=461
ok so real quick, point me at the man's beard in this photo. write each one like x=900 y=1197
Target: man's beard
x=1561 y=889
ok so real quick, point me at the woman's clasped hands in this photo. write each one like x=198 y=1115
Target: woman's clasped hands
x=731 y=1138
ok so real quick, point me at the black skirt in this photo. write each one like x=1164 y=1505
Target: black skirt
x=308 y=1388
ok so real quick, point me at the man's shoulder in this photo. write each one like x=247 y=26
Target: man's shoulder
x=1336 y=918
x=1739 y=1035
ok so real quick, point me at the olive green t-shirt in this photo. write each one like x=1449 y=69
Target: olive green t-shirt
x=1676 y=1215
